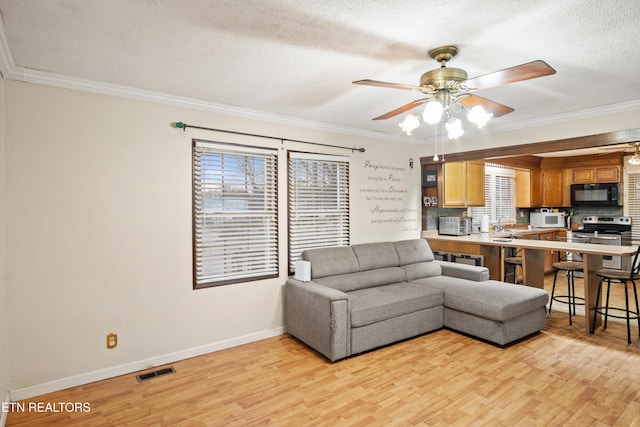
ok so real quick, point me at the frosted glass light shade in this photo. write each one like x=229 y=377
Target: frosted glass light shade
x=409 y=123
x=479 y=116
x=454 y=128
x=432 y=112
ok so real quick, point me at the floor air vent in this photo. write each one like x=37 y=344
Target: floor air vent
x=154 y=374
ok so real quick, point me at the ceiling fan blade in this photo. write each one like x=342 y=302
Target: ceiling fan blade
x=402 y=109
x=491 y=106
x=530 y=70
x=387 y=84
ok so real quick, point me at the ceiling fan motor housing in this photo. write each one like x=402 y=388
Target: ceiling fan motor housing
x=443 y=78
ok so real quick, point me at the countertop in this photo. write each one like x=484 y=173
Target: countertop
x=503 y=239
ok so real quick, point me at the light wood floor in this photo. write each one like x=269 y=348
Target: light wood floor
x=559 y=377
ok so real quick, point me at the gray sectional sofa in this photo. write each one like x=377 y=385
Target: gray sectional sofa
x=365 y=296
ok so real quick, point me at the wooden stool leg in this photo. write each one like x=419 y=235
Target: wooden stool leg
x=573 y=291
x=606 y=308
x=553 y=291
x=635 y=294
x=570 y=298
x=626 y=301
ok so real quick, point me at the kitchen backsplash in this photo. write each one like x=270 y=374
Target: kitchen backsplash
x=580 y=213
x=522 y=215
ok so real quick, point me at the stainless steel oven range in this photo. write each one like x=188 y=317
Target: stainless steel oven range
x=608 y=230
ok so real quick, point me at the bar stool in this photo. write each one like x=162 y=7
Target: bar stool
x=619 y=277
x=569 y=267
x=515 y=259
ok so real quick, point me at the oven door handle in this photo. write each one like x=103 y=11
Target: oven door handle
x=583 y=236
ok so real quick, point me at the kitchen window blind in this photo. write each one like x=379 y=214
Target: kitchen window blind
x=500 y=201
x=235 y=229
x=632 y=204
x=318 y=203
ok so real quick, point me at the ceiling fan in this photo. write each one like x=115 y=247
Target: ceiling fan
x=451 y=88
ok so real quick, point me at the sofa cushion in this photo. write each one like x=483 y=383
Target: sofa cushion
x=421 y=270
x=376 y=255
x=413 y=251
x=364 y=279
x=331 y=261
x=491 y=299
x=373 y=305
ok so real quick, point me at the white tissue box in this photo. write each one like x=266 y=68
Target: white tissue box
x=303 y=271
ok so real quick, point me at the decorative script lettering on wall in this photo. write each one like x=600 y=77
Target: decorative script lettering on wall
x=386 y=193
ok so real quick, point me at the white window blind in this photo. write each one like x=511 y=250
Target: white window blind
x=505 y=197
x=487 y=209
x=234 y=214
x=500 y=196
x=632 y=204
x=318 y=203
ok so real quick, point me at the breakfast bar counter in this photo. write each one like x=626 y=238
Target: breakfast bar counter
x=491 y=246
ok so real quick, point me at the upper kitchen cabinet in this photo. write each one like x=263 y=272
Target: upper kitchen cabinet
x=597 y=174
x=462 y=184
x=594 y=169
x=528 y=188
x=553 y=187
x=556 y=182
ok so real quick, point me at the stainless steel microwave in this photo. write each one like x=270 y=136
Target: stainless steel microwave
x=454 y=226
x=603 y=194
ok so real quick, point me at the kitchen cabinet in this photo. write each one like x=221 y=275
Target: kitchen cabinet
x=551 y=256
x=528 y=188
x=596 y=175
x=462 y=184
x=552 y=187
x=493 y=259
x=548 y=255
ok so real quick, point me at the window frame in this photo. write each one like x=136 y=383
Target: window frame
x=631 y=194
x=249 y=216
x=336 y=209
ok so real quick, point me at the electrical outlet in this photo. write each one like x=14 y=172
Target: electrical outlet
x=112 y=340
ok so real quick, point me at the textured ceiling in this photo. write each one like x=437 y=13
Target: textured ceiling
x=298 y=58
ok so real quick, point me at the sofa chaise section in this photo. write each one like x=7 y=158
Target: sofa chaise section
x=493 y=311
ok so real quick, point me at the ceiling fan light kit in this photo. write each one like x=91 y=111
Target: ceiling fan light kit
x=454 y=128
x=432 y=113
x=449 y=92
x=635 y=159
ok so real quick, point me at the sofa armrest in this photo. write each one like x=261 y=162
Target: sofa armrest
x=464 y=271
x=318 y=316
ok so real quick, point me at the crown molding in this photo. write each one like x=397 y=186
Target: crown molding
x=6 y=59
x=68 y=82
x=11 y=71
x=586 y=113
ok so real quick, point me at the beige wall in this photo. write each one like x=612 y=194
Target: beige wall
x=98 y=233
x=4 y=364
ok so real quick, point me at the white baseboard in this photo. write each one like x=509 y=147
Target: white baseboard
x=3 y=415
x=89 y=377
